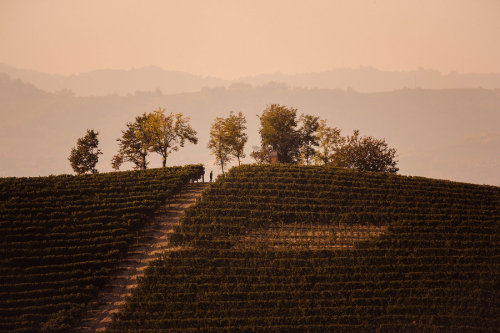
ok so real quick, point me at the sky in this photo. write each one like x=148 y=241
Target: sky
x=231 y=38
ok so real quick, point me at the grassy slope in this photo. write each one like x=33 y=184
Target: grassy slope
x=61 y=236
x=435 y=266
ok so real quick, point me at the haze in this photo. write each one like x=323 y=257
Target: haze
x=423 y=74
x=229 y=39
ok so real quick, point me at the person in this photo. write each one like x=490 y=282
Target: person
x=211 y=174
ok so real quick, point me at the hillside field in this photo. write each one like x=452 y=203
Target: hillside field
x=61 y=238
x=297 y=248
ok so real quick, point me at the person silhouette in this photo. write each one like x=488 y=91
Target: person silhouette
x=211 y=174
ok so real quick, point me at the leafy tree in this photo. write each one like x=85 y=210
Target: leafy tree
x=116 y=161
x=261 y=154
x=330 y=141
x=85 y=155
x=220 y=142
x=279 y=132
x=367 y=153
x=235 y=126
x=166 y=133
x=228 y=139
x=308 y=136
x=134 y=144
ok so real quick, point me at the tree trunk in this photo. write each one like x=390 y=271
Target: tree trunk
x=164 y=154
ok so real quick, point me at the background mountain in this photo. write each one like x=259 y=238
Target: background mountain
x=369 y=79
x=121 y=82
x=363 y=79
x=448 y=134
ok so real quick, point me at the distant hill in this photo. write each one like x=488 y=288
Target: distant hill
x=368 y=79
x=450 y=134
x=121 y=82
x=10 y=89
x=151 y=79
x=284 y=248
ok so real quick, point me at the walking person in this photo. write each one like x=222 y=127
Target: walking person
x=211 y=174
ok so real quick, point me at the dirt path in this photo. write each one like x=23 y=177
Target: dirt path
x=145 y=249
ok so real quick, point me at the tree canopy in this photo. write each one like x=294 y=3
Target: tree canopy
x=84 y=157
x=166 y=133
x=134 y=144
x=219 y=143
x=278 y=132
x=308 y=137
x=329 y=143
x=367 y=153
x=316 y=142
x=305 y=140
x=153 y=132
x=235 y=126
x=228 y=139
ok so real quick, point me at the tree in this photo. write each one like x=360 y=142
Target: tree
x=308 y=137
x=235 y=126
x=85 y=155
x=279 y=132
x=116 y=161
x=166 y=133
x=228 y=139
x=367 y=153
x=330 y=141
x=134 y=145
x=220 y=142
x=261 y=154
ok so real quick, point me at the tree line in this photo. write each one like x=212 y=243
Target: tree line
x=296 y=139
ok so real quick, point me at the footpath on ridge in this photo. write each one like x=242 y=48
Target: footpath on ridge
x=151 y=242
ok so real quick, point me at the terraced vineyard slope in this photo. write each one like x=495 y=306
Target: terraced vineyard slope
x=142 y=251
x=296 y=248
x=62 y=238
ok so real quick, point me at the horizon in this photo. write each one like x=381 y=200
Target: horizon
x=360 y=67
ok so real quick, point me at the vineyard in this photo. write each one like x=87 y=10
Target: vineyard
x=297 y=248
x=62 y=237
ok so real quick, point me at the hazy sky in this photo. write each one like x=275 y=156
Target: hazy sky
x=235 y=38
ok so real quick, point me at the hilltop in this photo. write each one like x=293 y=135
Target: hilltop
x=296 y=248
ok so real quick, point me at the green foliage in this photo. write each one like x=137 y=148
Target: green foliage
x=235 y=126
x=167 y=133
x=85 y=155
x=309 y=138
x=434 y=269
x=153 y=132
x=62 y=236
x=220 y=143
x=262 y=154
x=366 y=153
x=134 y=144
x=278 y=132
x=228 y=139
x=329 y=141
